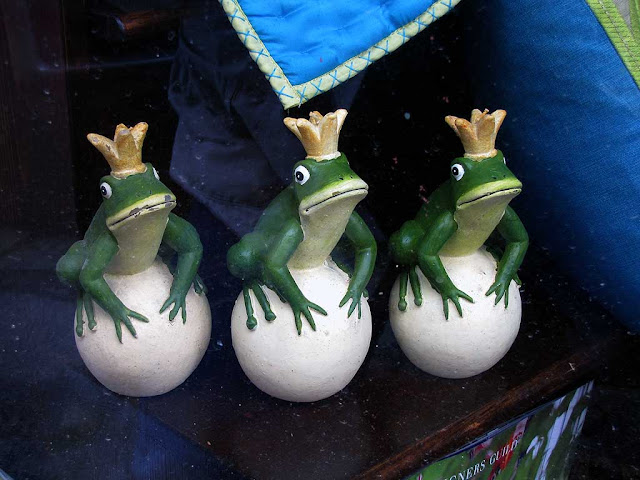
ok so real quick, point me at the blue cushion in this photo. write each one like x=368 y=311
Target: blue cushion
x=306 y=47
x=572 y=135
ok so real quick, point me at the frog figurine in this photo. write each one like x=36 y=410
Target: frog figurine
x=289 y=275
x=443 y=259
x=119 y=277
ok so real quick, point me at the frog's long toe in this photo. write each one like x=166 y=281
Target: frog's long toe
x=263 y=301
x=88 y=308
x=415 y=286
x=79 y=319
x=402 y=293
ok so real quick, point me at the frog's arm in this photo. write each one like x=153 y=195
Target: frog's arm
x=513 y=231
x=429 y=261
x=102 y=250
x=182 y=237
x=277 y=273
x=366 y=250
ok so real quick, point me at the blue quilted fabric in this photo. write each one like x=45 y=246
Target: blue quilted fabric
x=572 y=134
x=307 y=47
x=309 y=37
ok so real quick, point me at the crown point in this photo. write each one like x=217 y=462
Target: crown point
x=318 y=135
x=478 y=135
x=124 y=152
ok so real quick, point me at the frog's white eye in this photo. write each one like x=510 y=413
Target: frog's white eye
x=155 y=174
x=457 y=171
x=301 y=174
x=105 y=190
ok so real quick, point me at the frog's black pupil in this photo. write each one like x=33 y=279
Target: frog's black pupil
x=299 y=176
x=454 y=170
x=103 y=190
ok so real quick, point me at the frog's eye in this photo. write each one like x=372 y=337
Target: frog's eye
x=155 y=174
x=301 y=174
x=457 y=171
x=105 y=190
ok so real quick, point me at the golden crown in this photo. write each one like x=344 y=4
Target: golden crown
x=478 y=136
x=319 y=135
x=124 y=152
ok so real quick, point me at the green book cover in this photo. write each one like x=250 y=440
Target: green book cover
x=535 y=446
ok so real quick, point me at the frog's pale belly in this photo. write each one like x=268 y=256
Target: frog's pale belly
x=138 y=242
x=322 y=230
x=475 y=223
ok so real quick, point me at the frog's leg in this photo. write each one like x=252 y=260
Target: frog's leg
x=429 y=261
x=496 y=252
x=366 y=249
x=166 y=254
x=68 y=270
x=102 y=251
x=183 y=238
x=513 y=231
x=70 y=264
x=346 y=268
x=277 y=273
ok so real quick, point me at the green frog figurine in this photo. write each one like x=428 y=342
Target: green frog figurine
x=303 y=224
x=127 y=232
x=461 y=214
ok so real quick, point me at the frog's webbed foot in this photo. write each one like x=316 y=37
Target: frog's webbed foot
x=409 y=276
x=84 y=304
x=262 y=300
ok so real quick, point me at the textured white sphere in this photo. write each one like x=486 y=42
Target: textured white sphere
x=461 y=346
x=311 y=366
x=165 y=352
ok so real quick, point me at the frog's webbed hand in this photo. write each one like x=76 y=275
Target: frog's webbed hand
x=93 y=283
x=183 y=238
x=408 y=276
x=432 y=267
x=365 y=258
x=513 y=231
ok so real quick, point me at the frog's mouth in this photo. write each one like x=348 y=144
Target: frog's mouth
x=503 y=191
x=355 y=190
x=143 y=207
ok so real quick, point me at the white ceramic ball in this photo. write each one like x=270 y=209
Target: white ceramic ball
x=313 y=365
x=461 y=346
x=164 y=353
